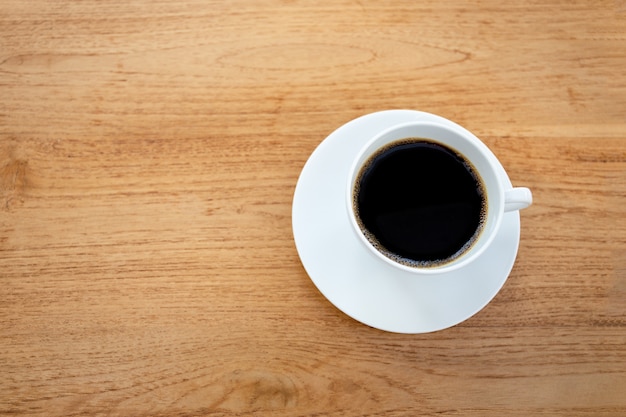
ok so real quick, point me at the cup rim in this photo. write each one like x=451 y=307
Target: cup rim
x=485 y=240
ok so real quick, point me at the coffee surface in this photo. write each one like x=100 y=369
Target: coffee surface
x=419 y=202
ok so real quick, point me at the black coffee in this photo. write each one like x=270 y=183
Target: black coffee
x=419 y=202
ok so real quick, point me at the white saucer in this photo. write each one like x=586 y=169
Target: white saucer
x=356 y=281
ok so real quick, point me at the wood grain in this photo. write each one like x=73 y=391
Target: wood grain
x=148 y=156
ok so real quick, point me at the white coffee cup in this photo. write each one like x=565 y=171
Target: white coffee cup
x=499 y=197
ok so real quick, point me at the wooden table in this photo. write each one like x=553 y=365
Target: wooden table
x=149 y=152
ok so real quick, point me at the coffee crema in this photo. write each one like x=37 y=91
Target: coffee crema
x=420 y=203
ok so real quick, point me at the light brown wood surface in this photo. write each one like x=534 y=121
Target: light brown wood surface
x=149 y=153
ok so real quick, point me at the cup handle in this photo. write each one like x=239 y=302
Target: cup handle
x=517 y=198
